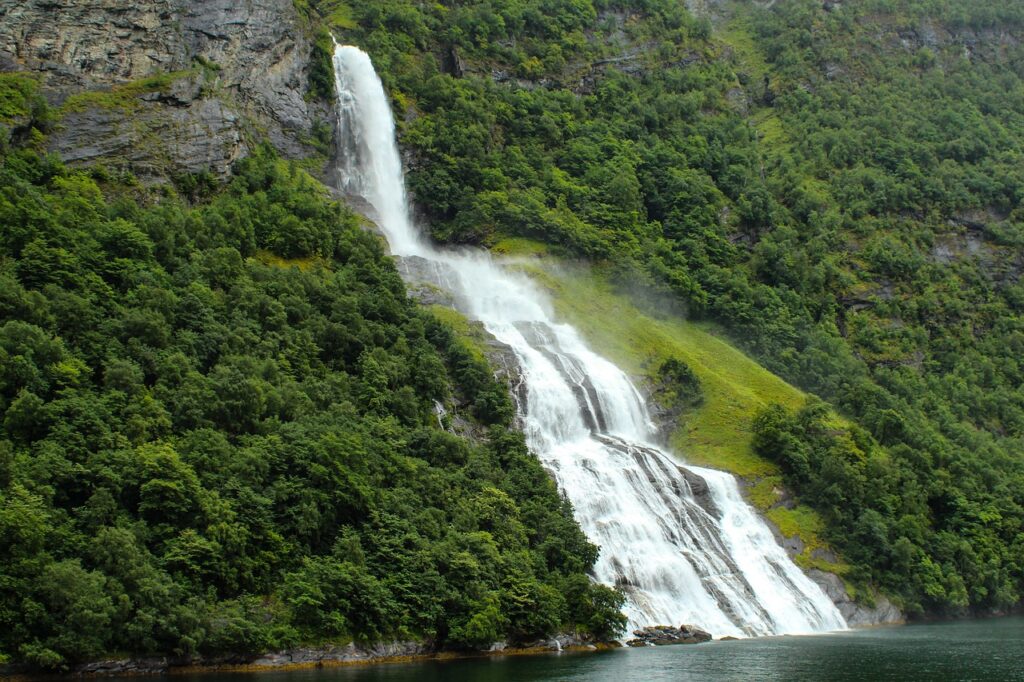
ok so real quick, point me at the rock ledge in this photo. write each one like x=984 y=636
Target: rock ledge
x=660 y=635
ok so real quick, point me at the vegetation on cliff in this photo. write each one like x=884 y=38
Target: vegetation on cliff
x=217 y=426
x=838 y=184
x=218 y=431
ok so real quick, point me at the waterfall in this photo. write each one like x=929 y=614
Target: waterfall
x=678 y=540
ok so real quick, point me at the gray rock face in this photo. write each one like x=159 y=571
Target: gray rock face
x=350 y=653
x=661 y=635
x=857 y=615
x=257 y=83
x=158 y=138
x=102 y=41
x=127 y=666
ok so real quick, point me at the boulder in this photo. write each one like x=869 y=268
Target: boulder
x=660 y=635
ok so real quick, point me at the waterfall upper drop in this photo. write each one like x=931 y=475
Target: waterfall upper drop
x=679 y=541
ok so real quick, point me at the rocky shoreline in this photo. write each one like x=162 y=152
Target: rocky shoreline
x=330 y=655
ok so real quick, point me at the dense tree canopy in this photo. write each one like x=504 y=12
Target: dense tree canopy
x=218 y=433
x=217 y=405
x=838 y=184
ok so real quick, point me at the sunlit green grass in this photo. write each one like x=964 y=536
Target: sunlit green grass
x=718 y=433
x=735 y=387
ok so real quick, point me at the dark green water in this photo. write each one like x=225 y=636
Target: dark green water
x=989 y=650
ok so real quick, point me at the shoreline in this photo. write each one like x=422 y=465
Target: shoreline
x=350 y=655
x=347 y=656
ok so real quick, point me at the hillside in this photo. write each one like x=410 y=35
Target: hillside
x=220 y=432
x=835 y=184
x=796 y=223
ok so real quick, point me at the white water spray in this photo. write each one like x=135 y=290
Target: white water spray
x=679 y=541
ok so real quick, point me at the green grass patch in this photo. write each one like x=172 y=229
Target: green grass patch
x=16 y=96
x=717 y=434
x=471 y=335
x=339 y=15
x=805 y=523
x=747 y=57
x=766 y=492
x=126 y=95
x=304 y=264
x=334 y=14
x=769 y=128
x=520 y=246
x=800 y=521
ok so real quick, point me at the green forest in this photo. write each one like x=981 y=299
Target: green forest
x=840 y=194
x=219 y=432
x=217 y=403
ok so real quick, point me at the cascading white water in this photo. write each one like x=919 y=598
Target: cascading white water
x=679 y=541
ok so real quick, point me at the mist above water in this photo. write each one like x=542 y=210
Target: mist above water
x=678 y=540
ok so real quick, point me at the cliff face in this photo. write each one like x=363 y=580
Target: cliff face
x=170 y=86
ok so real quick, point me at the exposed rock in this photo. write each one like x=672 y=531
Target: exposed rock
x=701 y=491
x=101 y=41
x=305 y=656
x=660 y=635
x=883 y=612
x=348 y=653
x=254 y=78
x=126 y=666
x=155 y=139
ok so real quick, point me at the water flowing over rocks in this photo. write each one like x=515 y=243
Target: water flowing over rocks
x=679 y=540
x=660 y=635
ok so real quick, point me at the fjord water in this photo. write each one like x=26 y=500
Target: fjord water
x=986 y=650
x=679 y=541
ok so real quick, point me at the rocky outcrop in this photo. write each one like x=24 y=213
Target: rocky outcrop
x=883 y=612
x=349 y=653
x=661 y=635
x=127 y=666
x=326 y=655
x=91 y=43
x=170 y=133
x=240 y=74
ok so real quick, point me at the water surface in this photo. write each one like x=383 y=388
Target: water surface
x=985 y=650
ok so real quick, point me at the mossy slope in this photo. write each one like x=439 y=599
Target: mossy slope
x=717 y=433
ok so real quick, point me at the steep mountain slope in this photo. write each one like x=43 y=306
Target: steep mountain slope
x=835 y=183
x=168 y=87
x=220 y=429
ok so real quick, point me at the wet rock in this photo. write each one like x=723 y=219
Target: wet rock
x=701 y=491
x=137 y=666
x=661 y=635
x=856 y=615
